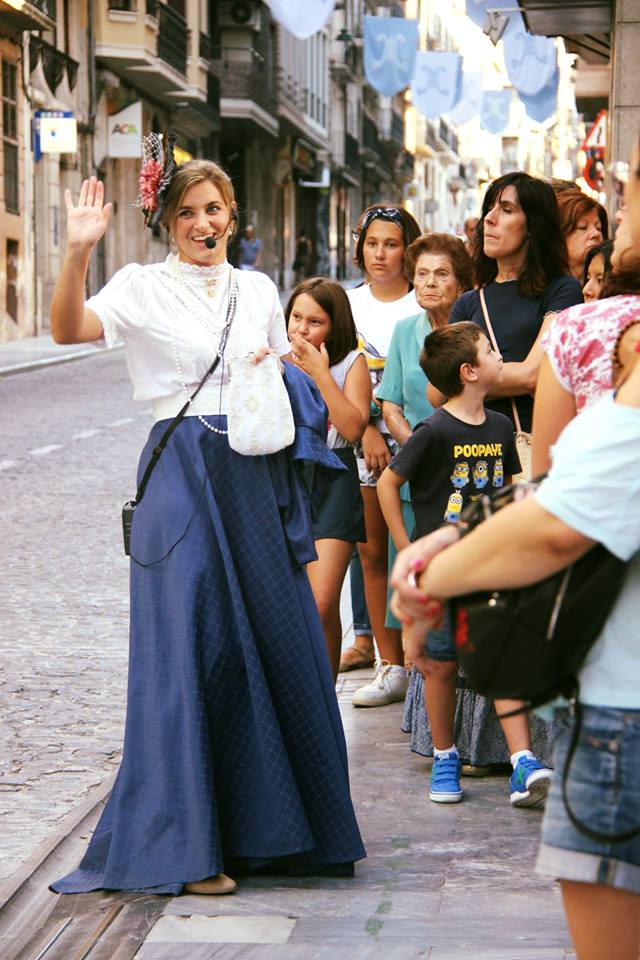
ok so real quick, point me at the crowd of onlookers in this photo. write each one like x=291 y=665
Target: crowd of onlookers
x=479 y=353
x=454 y=368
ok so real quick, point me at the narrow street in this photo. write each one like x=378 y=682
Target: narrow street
x=71 y=437
x=443 y=883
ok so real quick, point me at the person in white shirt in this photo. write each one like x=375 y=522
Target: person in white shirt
x=384 y=234
x=234 y=754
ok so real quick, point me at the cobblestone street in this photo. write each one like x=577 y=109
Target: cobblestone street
x=71 y=437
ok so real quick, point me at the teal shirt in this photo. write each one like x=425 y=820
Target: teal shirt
x=403 y=382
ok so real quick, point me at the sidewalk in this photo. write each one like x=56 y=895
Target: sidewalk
x=441 y=882
x=30 y=353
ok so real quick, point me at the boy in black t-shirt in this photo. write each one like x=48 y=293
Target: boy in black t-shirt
x=459 y=453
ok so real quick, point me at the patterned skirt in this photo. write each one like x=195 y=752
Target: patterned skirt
x=476 y=733
x=234 y=754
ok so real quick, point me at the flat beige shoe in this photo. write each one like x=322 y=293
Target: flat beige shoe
x=212 y=886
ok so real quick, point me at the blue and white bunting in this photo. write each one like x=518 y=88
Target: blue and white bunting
x=302 y=19
x=470 y=102
x=495 y=110
x=390 y=48
x=437 y=82
x=530 y=61
x=543 y=104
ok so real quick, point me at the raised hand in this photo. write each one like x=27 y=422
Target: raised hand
x=312 y=360
x=88 y=219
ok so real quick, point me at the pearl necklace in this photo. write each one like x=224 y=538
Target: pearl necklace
x=233 y=297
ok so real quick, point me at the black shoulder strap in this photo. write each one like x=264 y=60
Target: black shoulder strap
x=164 y=439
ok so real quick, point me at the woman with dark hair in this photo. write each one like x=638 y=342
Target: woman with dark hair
x=385 y=232
x=597 y=266
x=576 y=368
x=324 y=342
x=584 y=224
x=521 y=263
x=521 y=266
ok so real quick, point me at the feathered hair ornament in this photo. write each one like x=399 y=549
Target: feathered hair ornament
x=156 y=172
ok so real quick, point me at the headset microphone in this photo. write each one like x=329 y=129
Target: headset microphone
x=210 y=242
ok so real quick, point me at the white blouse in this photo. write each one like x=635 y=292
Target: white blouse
x=171 y=328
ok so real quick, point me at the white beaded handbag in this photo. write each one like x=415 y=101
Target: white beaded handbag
x=259 y=417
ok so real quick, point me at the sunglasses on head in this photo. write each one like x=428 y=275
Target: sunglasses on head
x=392 y=214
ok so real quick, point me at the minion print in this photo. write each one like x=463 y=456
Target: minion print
x=498 y=473
x=460 y=475
x=454 y=508
x=481 y=474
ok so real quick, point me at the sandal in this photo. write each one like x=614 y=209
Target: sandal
x=354 y=658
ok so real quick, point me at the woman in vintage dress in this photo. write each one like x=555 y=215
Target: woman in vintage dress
x=234 y=755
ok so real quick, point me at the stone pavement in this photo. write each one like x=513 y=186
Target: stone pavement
x=439 y=882
x=443 y=882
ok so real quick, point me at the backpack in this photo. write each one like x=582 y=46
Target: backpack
x=530 y=643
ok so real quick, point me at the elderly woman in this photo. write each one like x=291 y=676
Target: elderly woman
x=583 y=223
x=440 y=269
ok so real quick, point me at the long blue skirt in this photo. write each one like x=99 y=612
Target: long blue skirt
x=234 y=752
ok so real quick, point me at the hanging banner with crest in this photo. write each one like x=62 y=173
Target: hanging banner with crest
x=436 y=82
x=495 y=110
x=470 y=102
x=530 y=61
x=302 y=19
x=544 y=103
x=390 y=48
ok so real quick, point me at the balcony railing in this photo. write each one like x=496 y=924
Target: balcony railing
x=397 y=128
x=371 y=141
x=351 y=152
x=48 y=7
x=248 y=78
x=54 y=63
x=205 y=47
x=173 y=37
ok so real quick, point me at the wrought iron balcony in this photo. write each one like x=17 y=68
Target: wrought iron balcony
x=54 y=63
x=173 y=37
x=372 y=143
x=351 y=152
x=31 y=15
x=246 y=76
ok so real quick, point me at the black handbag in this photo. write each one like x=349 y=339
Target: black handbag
x=529 y=643
x=128 y=511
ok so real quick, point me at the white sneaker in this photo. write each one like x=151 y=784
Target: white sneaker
x=388 y=686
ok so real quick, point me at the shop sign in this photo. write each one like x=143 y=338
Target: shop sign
x=54 y=131
x=302 y=158
x=125 y=131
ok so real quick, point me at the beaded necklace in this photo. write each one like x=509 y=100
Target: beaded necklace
x=177 y=274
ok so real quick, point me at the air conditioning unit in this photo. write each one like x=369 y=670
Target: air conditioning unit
x=238 y=13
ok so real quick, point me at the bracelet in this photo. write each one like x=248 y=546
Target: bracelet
x=374 y=411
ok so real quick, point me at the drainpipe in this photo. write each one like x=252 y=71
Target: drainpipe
x=30 y=300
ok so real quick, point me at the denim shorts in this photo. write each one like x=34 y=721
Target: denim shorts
x=604 y=793
x=440 y=644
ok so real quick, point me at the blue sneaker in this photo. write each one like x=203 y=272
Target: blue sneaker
x=445 y=779
x=529 y=782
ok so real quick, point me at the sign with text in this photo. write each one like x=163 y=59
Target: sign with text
x=125 y=131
